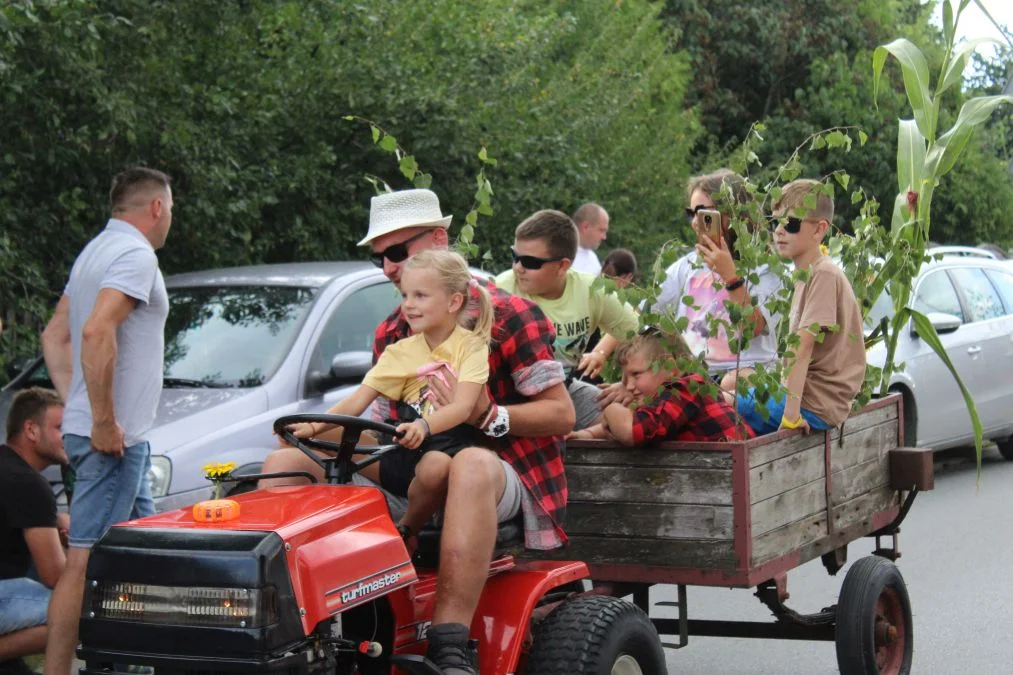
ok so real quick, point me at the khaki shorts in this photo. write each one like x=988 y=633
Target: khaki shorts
x=507 y=509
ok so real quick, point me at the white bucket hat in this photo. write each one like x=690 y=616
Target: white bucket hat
x=393 y=211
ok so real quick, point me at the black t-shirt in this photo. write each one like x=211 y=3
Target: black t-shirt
x=26 y=500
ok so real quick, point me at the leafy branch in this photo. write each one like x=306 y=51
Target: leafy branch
x=409 y=167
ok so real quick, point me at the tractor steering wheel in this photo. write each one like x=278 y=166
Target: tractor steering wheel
x=341 y=468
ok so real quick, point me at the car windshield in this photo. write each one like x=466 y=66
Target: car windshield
x=230 y=336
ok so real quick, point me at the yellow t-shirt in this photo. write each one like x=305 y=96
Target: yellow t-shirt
x=578 y=313
x=396 y=376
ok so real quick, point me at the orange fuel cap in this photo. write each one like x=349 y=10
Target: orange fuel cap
x=215 y=510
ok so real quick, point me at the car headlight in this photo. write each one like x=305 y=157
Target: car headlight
x=159 y=475
x=192 y=605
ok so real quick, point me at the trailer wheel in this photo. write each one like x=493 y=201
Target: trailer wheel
x=596 y=635
x=874 y=633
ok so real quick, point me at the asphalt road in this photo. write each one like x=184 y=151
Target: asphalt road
x=957 y=555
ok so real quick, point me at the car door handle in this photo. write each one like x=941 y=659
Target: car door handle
x=974 y=351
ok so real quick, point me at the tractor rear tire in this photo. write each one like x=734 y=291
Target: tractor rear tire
x=596 y=635
x=874 y=633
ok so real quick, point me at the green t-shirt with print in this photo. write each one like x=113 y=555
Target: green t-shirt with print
x=578 y=313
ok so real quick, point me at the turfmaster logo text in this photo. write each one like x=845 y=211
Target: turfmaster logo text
x=364 y=588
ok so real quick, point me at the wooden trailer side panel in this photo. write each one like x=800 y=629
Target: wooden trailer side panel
x=723 y=513
x=655 y=505
x=793 y=503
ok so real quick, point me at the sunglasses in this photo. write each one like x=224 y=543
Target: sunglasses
x=792 y=225
x=530 y=262
x=395 y=252
x=691 y=212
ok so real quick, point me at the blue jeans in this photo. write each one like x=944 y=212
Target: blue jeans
x=107 y=489
x=23 y=604
x=747 y=404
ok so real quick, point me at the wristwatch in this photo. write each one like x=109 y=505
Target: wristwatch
x=499 y=425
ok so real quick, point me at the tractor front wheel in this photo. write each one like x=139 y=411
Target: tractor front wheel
x=596 y=635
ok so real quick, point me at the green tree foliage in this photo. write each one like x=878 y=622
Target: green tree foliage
x=802 y=66
x=242 y=103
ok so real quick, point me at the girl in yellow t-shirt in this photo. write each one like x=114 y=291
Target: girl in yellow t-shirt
x=435 y=288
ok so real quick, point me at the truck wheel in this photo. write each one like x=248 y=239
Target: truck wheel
x=874 y=628
x=596 y=635
x=1006 y=448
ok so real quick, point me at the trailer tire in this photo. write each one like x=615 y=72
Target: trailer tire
x=874 y=633
x=596 y=635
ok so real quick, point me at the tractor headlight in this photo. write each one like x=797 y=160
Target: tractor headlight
x=194 y=606
x=159 y=475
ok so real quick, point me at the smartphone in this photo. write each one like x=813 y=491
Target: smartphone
x=709 y=223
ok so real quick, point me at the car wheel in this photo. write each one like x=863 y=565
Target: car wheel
x=1006 y=447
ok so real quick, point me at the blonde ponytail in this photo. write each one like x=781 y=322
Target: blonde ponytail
x=483 y=325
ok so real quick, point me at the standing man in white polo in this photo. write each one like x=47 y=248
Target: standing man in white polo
x=103 y=348
x=592 y=223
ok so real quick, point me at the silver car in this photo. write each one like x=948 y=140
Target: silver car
x=969 y=300
x=244 y=346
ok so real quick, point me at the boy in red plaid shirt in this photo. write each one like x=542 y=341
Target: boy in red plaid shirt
x=668 y=405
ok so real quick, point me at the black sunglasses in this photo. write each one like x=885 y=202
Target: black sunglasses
x=691 y=212
x=395 y=252
x=792 y=225
x=530 y=262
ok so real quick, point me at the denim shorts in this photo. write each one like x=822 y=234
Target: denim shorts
x=107 y=489
x=746 y=405
x=23 y=604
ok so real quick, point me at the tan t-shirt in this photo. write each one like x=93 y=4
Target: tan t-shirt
x=837 y=367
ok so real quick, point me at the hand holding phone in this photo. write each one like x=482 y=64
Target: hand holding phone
x=709 y=224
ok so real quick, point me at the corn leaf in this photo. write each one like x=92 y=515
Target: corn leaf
x=958 y=62
x=947 y=149
x=927 y=333
x=910 y=156
x=915 y=71
x=948 y=21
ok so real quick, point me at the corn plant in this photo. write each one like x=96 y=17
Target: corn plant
x=925 y=154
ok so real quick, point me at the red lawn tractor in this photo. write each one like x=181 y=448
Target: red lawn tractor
x=316 y=579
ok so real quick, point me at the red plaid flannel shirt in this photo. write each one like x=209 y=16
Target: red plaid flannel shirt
x=678 y=414
x=522 y=336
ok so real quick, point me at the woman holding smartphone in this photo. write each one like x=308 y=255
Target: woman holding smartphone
x=710 y=275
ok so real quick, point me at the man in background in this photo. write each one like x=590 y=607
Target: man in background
x=592 y=227
x=30 y=528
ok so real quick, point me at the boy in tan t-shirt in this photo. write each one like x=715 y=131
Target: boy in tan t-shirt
x=828 y=365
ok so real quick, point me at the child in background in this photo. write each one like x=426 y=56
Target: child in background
x=668 y=405
x=827 y=368
x=435 y=288
x=543 y=251
x=620 y=266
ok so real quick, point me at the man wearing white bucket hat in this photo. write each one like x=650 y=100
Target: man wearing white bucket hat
x=518 y=471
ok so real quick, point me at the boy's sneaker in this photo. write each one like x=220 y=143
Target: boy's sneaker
x=450 y=650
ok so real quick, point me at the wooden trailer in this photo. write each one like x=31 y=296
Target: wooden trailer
x=743 y=514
